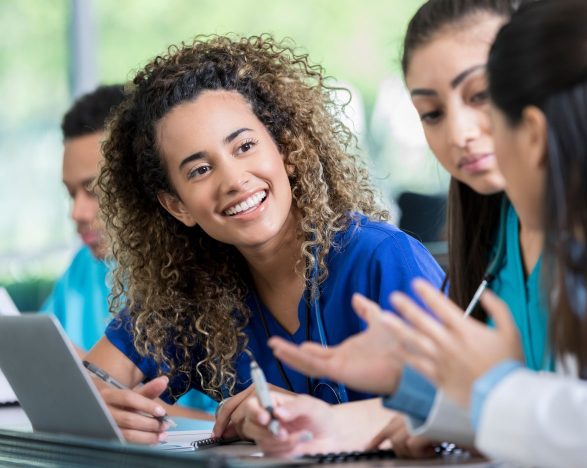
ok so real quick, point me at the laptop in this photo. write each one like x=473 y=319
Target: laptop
x=49 y=379
x=7 y=307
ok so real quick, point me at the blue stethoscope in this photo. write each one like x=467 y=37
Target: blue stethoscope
x=338 y=390
x=497 y=261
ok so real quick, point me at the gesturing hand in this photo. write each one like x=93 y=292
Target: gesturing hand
x=456 y=351
x=369 y=361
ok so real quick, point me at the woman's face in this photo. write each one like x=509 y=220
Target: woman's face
x=227 y=171
x=520 y=151
x=446 y=80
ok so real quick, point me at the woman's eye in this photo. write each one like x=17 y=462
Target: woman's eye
x=90 y=189
x=198 y=171
x=246 y=146
x=431 y=117
x=480 y=97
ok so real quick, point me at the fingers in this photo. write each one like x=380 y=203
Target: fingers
x=291 y=445
x=302 y=406
x=419 y=447
x=256 y=420
x=426 y=330
x=499 y=311
x=139 y=437
x=365 y=308
x=154 y=388
x=448 y=312
x=223 y=418
x=131 y=400
x=384 y=434
x=138 y=422
x=134 y=414
x=398 y=435
x=310 y=358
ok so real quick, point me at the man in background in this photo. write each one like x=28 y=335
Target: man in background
x=79 y=299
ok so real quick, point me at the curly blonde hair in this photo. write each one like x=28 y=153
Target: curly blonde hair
x=183 y=288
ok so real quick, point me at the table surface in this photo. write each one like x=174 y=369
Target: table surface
x=14 y=418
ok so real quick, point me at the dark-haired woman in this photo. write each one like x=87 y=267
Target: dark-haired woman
x=538 y=80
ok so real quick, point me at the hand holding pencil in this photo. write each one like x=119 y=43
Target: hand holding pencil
x=141 y=419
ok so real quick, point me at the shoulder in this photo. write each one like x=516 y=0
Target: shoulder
x=84 y=258
x=376 y=237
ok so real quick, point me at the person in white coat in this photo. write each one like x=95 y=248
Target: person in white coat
x=538 y=83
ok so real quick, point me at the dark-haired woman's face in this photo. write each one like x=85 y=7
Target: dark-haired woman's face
x=446 y=79
x=226 y=170
x=520 y=150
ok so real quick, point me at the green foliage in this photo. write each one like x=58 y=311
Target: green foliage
x=358 y=42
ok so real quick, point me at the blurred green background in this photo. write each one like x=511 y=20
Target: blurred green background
x=358 y=43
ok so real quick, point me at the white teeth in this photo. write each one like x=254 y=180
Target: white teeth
x=252 y=201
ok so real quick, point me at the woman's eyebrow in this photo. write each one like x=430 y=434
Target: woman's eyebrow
x=457 y=80
x=203 y=154
x=236 y=133
x=192 y=157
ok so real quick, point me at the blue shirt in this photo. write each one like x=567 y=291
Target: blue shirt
x=79 y=299
x=415 y=395
x=372 y=258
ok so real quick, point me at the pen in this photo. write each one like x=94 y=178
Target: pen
x=108 y=379
x=262 y=391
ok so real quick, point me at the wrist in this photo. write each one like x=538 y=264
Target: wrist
x=219 y=407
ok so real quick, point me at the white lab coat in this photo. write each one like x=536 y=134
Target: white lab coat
x=530 y=418
x=537 y=419
x=446 y=421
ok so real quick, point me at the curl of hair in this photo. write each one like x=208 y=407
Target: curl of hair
x=184 y=288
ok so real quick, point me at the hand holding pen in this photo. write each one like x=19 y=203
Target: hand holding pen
x=140 y=418
x=262 y=391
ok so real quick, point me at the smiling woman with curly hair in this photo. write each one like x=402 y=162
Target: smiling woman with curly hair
x=238 y=210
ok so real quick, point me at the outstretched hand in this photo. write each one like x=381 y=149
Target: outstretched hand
x=456 y=351
x=370 y=361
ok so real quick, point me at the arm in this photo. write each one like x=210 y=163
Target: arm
x=535 y=418
x=309 y=425
x=446 y=421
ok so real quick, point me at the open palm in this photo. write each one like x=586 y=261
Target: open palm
x=369 y=361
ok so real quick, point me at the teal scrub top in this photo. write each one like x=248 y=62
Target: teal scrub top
x=79 y=299
x=525 y=298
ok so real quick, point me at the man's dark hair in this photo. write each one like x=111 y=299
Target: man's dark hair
x=89 y=113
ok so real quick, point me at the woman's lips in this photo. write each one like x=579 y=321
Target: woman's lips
x=477 y=163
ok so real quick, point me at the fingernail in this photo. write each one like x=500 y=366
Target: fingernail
x=162 y=436
x=159 y=411
x=165 y=426
x=306 y=436
x=281 y=412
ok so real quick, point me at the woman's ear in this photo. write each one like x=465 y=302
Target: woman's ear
x=535 y=135
x=175 y=207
